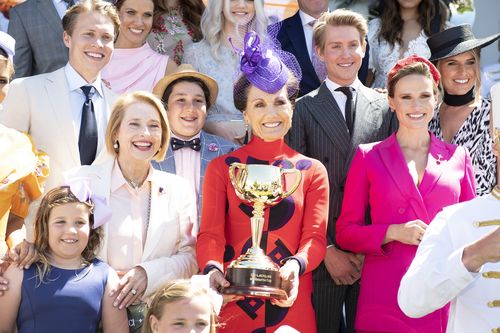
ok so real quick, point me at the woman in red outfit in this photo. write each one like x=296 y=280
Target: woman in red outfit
x=294 y=230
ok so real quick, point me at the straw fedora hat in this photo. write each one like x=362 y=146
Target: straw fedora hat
x=187 y=70
x=456 y=40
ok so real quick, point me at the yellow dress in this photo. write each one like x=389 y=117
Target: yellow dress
x=22 y=172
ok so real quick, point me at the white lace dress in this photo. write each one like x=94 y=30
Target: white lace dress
x=383 y=56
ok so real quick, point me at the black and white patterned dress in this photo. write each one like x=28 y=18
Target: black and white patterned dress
x=476 y=137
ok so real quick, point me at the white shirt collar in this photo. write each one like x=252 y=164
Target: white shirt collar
x=75 y=80
x=305 y=18
x=333 y=85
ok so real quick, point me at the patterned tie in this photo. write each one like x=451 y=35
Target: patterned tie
x=87 y=140
x=194 y=144
x=318 y=64
x=349 y=112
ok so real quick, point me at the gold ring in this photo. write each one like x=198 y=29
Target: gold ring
x=133 y=292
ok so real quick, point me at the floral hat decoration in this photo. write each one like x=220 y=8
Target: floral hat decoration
x=265 y=65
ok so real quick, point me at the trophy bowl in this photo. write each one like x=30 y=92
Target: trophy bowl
x=254 y=274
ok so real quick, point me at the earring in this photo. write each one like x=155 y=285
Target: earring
x=116 y=145
x=245 y=139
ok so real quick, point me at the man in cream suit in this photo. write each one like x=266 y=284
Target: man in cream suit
x=328 y=124
x=66 y=111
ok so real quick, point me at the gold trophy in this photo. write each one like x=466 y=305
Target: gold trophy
x=254 y=274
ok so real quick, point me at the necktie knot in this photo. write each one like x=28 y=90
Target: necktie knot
x=346 y=91
x=194 y=144
x=311 y=24
x=88 y=91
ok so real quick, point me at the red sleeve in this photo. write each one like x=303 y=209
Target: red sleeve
x=468 y=183
x=351 y=232
x=312 y=247
x=211 y=239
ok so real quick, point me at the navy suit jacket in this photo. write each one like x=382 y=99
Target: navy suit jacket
x=292 y=39
x=212 y=146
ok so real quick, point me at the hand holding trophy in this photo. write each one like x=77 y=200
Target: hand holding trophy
x=254 y=273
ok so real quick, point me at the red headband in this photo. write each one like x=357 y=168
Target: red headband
x=410 y=60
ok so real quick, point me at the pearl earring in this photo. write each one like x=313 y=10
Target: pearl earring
x=116 y=145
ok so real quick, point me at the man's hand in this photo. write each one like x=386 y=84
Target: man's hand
x=344 y=267
x=482 y=251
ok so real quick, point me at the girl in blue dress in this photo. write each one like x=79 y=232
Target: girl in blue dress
x=67 y=289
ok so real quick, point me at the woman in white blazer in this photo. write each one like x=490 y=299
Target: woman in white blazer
x=150 y=236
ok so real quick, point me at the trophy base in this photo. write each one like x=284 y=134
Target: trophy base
x=254 y=282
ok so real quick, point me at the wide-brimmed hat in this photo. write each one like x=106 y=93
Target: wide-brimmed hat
x=456 y=40
x=187 y=70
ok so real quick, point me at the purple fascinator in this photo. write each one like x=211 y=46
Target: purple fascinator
x=265 y=65
x=81 y=189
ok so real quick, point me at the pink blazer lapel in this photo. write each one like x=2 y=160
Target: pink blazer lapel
x=392 y=157
x=437 y=162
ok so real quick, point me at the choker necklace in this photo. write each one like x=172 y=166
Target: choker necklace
x=458 y=100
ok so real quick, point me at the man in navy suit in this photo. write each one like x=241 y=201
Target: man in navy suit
x=295 y=36
x=187 y=94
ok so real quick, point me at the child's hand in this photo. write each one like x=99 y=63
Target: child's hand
x=131 y=287
x=289 y=273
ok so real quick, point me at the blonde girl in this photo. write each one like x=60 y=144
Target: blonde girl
x=181 y=306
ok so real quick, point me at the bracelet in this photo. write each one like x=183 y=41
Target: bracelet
x=210 y=267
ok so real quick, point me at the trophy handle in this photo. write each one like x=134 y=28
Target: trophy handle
x=298 y=178
x=232 y=177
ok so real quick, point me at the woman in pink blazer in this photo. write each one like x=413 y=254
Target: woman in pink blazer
x=404 y=181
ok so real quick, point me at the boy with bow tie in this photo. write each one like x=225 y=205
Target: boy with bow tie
x=187 y=94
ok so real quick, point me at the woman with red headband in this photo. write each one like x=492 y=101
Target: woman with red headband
x=405 y=181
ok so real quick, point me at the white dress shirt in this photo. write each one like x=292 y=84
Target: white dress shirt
x=128 y=227
x=308 y=30
x=437 y=275
x=339 y=96
x=77 y=98
x=187 y=165
x=61 y=7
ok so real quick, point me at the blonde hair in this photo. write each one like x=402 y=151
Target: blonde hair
x=339 y=17
x=476 y=53
x=213 y=19
x=118 y=112
x=84 y=6
x=171 y=292
x=57 y=197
